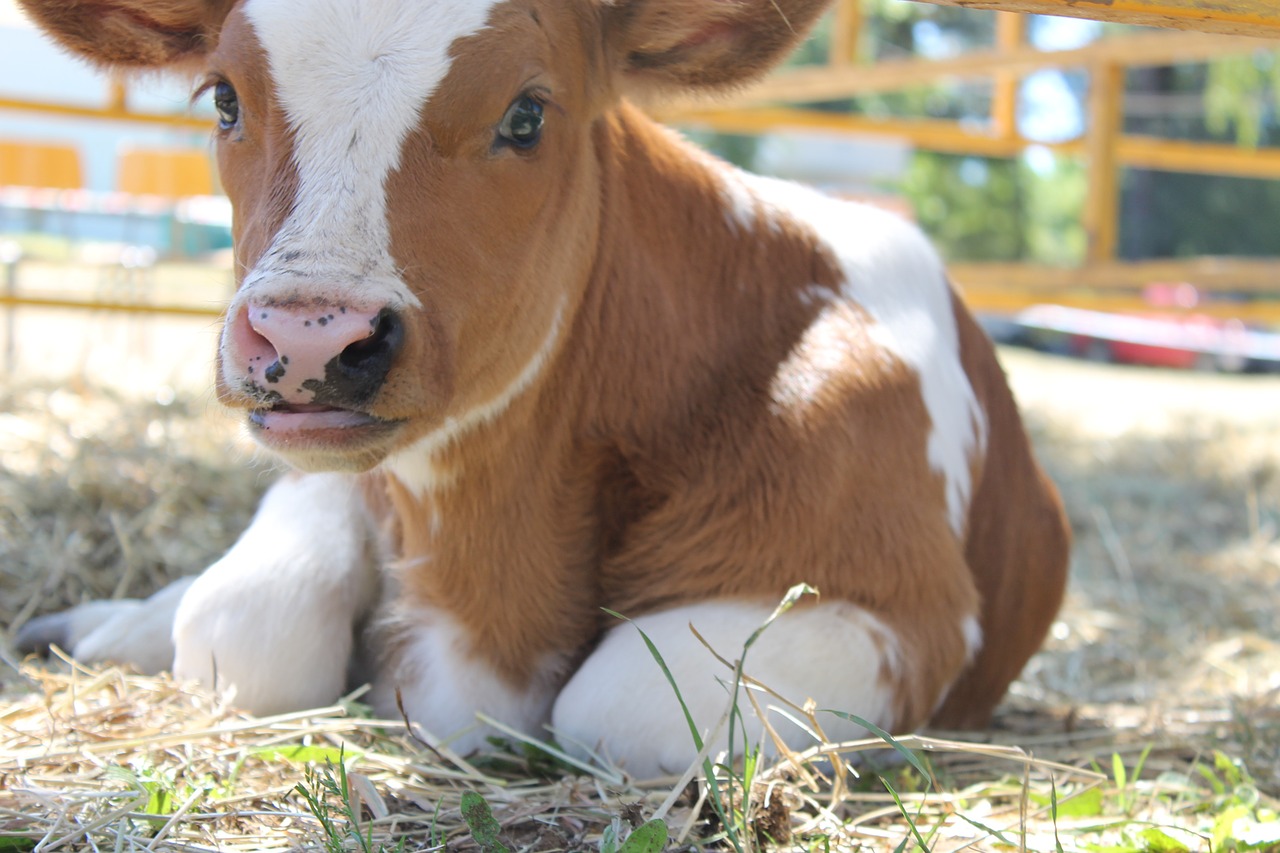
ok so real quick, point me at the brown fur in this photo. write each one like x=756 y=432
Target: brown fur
x=708 y=44
x=664 y=454
x=133 y=34
x=1018 y=540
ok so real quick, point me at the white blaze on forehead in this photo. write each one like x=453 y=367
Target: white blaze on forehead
x=895 y=275
x=352 y=77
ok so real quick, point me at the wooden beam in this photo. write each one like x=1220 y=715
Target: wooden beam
x=1102 y=166
x=1141 y=152
x=846 y=27
x=1147 y=152
x=1011 y=34
x=1258 y=18
x=1008 y=301
x=807 y=85
x=9 y=301
x=117 y=95
x=1006 y=288
x=1239 y=275
x=185 y=122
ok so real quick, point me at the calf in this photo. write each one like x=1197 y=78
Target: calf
x=542 y=357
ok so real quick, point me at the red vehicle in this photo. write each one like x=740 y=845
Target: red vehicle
x=1157 y=338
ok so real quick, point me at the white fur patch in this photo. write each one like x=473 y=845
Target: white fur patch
x=416 y=466
x=442 y=686
x=893 y=272
x=273 y=620
x=353 y=77
x=620 y=705
x=972 y=630
x=144 y=638
x=816 y=361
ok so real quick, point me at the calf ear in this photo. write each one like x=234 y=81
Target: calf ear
x=704 y=43
x=132 y=33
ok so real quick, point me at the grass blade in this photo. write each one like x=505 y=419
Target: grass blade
x=911 y=757
x=911 y=822
x=666 y=671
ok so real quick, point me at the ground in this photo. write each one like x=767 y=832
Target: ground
x=1150 y=721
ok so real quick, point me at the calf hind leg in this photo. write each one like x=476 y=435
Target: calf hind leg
x=619 y=704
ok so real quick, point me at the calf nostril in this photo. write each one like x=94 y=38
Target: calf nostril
x=374 y=354
x=259 y=354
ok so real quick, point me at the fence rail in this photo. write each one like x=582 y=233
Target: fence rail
x=1239 y=288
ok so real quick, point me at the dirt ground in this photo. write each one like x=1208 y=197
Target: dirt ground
x=1172 y=482
x=1170 y=635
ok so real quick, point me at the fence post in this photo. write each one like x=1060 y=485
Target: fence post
x=10 y=254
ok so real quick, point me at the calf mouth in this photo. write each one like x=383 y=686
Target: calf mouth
x=282 y=418
x=322 y=437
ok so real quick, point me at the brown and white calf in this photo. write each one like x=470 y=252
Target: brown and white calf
x=555 y=360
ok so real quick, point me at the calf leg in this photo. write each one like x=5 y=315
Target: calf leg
x=620 y=705
x=275 y=620
x=128 y=631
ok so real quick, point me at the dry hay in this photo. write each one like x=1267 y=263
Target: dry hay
x=1166 y=661
x=107 y=759
x=102 y=496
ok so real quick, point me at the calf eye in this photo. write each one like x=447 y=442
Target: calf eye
x=522 y=125
x=226 y=104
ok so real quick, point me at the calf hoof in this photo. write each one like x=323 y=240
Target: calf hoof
x=67 y=628
x=128 y=631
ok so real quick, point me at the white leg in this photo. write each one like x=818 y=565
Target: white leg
x=143 y=638
x=274 y=619
x=442 y=685
x=620 y=705
x=127 y=631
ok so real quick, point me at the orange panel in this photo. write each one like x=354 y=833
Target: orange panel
x=47 y=166
x=167 y=172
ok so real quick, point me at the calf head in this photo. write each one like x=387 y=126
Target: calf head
x=416 y=185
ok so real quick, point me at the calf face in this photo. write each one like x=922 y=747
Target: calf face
x=414 y=213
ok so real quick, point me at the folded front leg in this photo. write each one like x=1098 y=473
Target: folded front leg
x=275 y=620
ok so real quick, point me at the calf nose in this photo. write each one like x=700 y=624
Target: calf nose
x=336 y=355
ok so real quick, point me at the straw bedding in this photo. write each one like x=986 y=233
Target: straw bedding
x=1166 y=661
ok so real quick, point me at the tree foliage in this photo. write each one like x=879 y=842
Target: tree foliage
x=975 y=208
x=1242 y=95
x=1168 y=214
